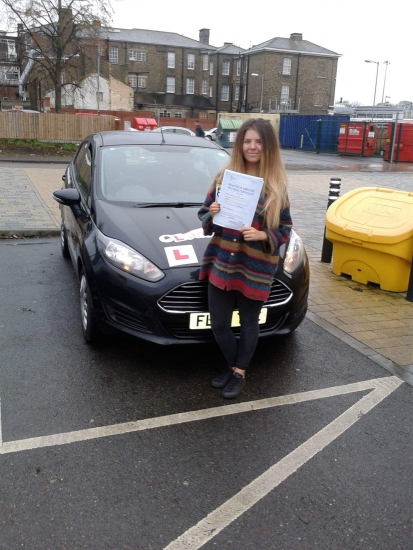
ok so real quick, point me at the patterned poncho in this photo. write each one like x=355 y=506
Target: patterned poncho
x=231 y=263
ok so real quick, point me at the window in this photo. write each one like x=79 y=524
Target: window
x=133 y=80
x=142 y=81
x=170 y=84
x=224 y=92
x=236 y=92
x=285 y=94
x=141 y=56
x=99 y=96
x=171 y=60
x=133 y=55
x=287 y=65
x=211 y=91
x=204 y=62
x=202 y=115
x=244 y=95
x=225 y=67
x=190 y=85
x=113 y=54
x=204 y=86
x=178 y=114
x=13 y=75
x=166 y=114
x=246 y=65
x=191 y=61
x=211 y=69
x=83 y=169
x=238 y=67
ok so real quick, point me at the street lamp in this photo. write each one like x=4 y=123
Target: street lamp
x=384 y=83
x=262 y=87
x=375 y=86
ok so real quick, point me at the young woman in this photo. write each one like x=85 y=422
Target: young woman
x=240 y=265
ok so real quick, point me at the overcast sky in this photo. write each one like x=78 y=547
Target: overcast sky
x=356 y=29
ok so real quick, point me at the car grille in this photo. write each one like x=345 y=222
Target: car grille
x=192 y=297
x=128 y=318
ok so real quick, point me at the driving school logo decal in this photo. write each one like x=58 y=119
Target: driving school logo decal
x=181 y=255
x=180 y=237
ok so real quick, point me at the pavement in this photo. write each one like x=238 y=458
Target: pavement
x=377 y=323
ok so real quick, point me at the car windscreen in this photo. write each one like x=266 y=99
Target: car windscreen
x=157 y=174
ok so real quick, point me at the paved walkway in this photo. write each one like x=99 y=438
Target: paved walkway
x=379 y=324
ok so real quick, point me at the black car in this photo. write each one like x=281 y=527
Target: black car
x=129 y=224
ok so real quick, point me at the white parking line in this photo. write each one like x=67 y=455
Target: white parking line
x=192 y=416
x=222 y=516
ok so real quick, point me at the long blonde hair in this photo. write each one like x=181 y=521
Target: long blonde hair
x=270 y=168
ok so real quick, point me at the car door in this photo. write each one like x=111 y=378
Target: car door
x=82 y=178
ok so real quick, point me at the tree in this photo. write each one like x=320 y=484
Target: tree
x=56 y=37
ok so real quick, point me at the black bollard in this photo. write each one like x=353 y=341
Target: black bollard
x=409 y=296
x=333 y=194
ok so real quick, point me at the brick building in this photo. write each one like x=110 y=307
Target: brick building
x=184 y=77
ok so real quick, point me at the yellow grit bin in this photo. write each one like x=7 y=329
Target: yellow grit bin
x=371 y=229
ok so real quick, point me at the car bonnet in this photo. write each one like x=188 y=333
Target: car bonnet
x=168 y=237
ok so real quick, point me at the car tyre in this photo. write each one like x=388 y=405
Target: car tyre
x=90 y=329
x=209 y=137
x=63 y=242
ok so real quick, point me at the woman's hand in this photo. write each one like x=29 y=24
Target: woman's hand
x=214 y=208
x=252 y=234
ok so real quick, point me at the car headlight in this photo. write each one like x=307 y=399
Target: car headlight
x=295 y=253
x=126 y=258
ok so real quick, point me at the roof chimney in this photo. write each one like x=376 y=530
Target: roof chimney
x=204 y=36
x=297 y=36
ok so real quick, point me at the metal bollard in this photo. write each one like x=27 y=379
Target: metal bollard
x=409 y=296
x=334 y=193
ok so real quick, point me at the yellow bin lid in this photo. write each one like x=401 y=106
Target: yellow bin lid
x=372 y=214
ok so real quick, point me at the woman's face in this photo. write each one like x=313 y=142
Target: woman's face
x=252 y=147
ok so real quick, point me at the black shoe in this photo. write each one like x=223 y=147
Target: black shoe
x=222 y=380
x=234 y=387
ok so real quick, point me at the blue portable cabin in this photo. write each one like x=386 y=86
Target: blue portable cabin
x=311 y=132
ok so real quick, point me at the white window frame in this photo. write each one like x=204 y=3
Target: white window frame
x=133 y=55
x=133 y=81
x=170 y=84
x=211 y=91
x=285 y=94
x=141 y=56
x=205 y=84
x=286 y=65
x=170 y=63
x=224 y=92
x=246 y=65
x=226 y=65
x=238 y=67
x=190 y=62
x=142 y=81
x=205 y=62
x=190 y=86
x=113 y=54
x=12 y=75
x=236 y=92
x=178 y=114
x=165 y=114
x=211 y=68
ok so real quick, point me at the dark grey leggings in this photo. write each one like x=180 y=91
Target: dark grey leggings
x=221 y=306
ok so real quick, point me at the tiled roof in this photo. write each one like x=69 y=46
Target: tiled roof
x=144 y=36
x=230 y=49
x=168 y=100
x=288 y=45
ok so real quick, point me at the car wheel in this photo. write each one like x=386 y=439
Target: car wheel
x=90 y=329
x=63 y=242
x=209 y=137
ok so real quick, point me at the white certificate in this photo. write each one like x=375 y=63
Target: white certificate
x=238 y=199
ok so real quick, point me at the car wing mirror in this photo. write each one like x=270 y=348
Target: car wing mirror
x=71 y=198
x=64 y=177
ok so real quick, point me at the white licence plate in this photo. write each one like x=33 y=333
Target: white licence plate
x=202 y=320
